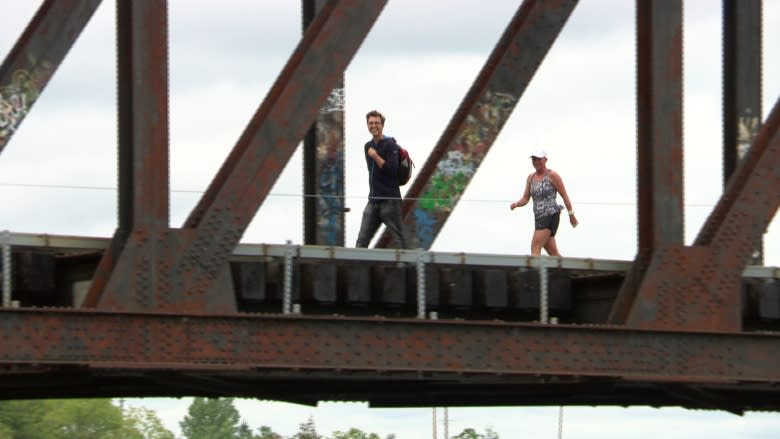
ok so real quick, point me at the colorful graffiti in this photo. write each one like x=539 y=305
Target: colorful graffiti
x=747 y=130
x=17 y=97
x=334 y=102
x=455 y=170
x=330 y=170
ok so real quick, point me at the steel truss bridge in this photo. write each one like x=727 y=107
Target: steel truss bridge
x=163 y=311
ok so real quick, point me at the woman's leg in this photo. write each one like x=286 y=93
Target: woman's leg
x=539 y=239
x=551 y=247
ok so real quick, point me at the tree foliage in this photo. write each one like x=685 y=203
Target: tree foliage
x=147 y=423
x=207 y=418
x=470 y=433
x=307 y=430
x=211 y=418
x=354 y=433
x=267 y=433
x=81 y=418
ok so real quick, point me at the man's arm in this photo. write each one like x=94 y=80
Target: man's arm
x=385 y=156
x=376 y=157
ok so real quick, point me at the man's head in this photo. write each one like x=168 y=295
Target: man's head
x=376 y=122
x=374 y=113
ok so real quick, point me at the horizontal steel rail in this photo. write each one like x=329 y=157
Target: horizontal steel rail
x=74 y=243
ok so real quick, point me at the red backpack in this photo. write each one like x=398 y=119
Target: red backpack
x=405 y=165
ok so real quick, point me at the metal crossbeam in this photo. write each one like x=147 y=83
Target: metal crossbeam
x=36 y=56
x=479 y=119
x=190 y=272
x=322 y=351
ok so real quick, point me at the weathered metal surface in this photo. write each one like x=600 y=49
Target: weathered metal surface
x=483 y=112
x=193 y=273
x=698 y=287
x=410 y=350
x=36 y=56
x=742 y=81
x=323 y=163
x=357 y=282
x=142 y=52
x=659 y=138
x=659 y=125
x=305 y=358
x=685 y=343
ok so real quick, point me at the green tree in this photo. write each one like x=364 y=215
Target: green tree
x=355 y=433
x=146 y=423
x=81 y=418
x=6 y=431
x=267 y=433
x=307 y=430
x=22 y=418
x=211 y=418
x=470 y=433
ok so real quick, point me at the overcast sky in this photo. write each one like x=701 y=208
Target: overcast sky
x=415 y=66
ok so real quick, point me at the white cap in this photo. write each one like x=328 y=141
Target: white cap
x=539 y=153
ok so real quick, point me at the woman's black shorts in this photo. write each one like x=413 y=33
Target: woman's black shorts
x=548 y=222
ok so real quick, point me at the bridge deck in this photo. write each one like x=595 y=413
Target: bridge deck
x=323 y=323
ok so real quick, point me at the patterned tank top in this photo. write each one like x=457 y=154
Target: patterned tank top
x=545 y=196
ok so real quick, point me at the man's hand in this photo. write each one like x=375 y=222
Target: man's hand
x=376 y=157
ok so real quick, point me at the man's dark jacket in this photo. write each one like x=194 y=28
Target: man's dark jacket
x=383 y=182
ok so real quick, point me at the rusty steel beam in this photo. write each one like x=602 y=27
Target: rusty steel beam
x=323 y=163
x=382 y=347
x=35 y=57
x=741 y=86
x=142 y=54
x=751 y=198
x=698 y=287
x=659 y=139
x=483 y=112
x=193 y=273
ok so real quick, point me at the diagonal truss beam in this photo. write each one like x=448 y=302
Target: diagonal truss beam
x=751 y=197
x=36 y=56
x=698 y=287
x=191 y=271
x=479 y=119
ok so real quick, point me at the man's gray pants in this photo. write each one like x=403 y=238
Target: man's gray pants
x=376 y=213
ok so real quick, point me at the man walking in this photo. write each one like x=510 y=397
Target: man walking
x=384 y=196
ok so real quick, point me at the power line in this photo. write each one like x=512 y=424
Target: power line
x=295 y=195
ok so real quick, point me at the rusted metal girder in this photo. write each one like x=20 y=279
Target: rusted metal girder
x=323 y=163
x=187 y=270
x=698 y=287
x=741 y=86
x=36 y=56
x=142 y=77
x=483 y=112
x=659 y=139
x=383 y=346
